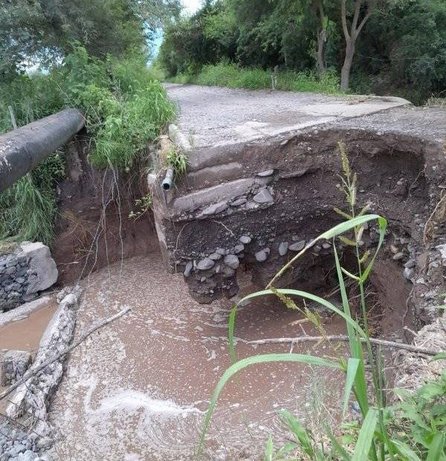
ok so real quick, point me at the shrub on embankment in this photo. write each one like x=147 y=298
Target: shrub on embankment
x=125 y=109
x=232 y=76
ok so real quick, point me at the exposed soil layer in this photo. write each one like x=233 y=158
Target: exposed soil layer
x=94 y=228
x=398 y=177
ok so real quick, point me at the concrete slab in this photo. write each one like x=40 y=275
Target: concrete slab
x=212 y=116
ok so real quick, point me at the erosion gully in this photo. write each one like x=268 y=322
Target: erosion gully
x=138 y=389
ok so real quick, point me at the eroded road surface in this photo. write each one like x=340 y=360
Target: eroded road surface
x=138 y=389
x=213 y=116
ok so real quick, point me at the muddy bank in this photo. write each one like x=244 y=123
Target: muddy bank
x=93 y=228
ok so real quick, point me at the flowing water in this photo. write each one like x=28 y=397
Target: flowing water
x=138 y=389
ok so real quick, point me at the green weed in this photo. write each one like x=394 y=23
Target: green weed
x=143 y=205
x=178 y=161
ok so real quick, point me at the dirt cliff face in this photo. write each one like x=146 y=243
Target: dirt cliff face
x=253 y=206
x=93 y=227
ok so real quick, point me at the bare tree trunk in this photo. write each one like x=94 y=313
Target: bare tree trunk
x=347 y=66
x=321 y=39
x=352 y=34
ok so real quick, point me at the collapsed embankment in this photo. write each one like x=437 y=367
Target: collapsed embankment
x=252 y=207
x=244 y=208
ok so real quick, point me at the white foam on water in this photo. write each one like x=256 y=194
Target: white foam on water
x=130 y=401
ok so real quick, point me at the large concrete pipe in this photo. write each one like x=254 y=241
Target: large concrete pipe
x=23 y=149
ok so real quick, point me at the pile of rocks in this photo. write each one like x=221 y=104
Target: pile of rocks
x=24 y=272
x=25 y=434
x=13 y=279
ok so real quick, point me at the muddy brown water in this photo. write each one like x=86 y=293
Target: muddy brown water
x=25 y=334
x=138 y=389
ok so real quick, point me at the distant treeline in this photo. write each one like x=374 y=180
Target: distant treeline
x=375 y=46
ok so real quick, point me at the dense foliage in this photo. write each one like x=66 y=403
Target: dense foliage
x=94 y=54
x=125 y=108
x=399 y=45
x=46 y=30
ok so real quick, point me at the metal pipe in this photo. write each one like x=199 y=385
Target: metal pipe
x=168 y=179
x=23 y=149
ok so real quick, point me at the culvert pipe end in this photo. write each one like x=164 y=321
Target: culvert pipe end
x=168 y=180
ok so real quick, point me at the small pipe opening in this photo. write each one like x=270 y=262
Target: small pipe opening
x=168 y=179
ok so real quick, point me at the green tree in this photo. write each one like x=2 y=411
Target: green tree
x=45 y=30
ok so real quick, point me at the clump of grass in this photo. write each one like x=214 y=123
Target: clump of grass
x=178 y=161
x=378 y=436
x=231 y=76
x=436 y=102
x=28 y=209
x=27 y=212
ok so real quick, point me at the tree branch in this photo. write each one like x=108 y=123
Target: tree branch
x=344 y=19
x=365 y=19
x=41 y=367
x=345 y=338
x=358 y=4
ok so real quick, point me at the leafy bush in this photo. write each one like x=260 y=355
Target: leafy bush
x=124 y=106
x=231 y=76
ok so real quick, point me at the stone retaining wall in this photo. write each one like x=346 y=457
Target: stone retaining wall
x=25 y=271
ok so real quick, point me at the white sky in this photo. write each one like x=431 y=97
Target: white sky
x=191 y=5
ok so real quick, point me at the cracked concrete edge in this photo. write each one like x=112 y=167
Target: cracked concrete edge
x=179 y=138
x=221 y=192
x=212 y=152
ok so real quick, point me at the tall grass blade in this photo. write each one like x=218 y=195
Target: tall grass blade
x=365 y=438
x=301 y=294
x=405 y=451
x=436 y=449
x=231 y=328
x=299 y=432
x=244 y=363
x=352 y=370
x=360 y=386
x=269 y=450
x=382 y=227
x=339 y=229
x=337 y=447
